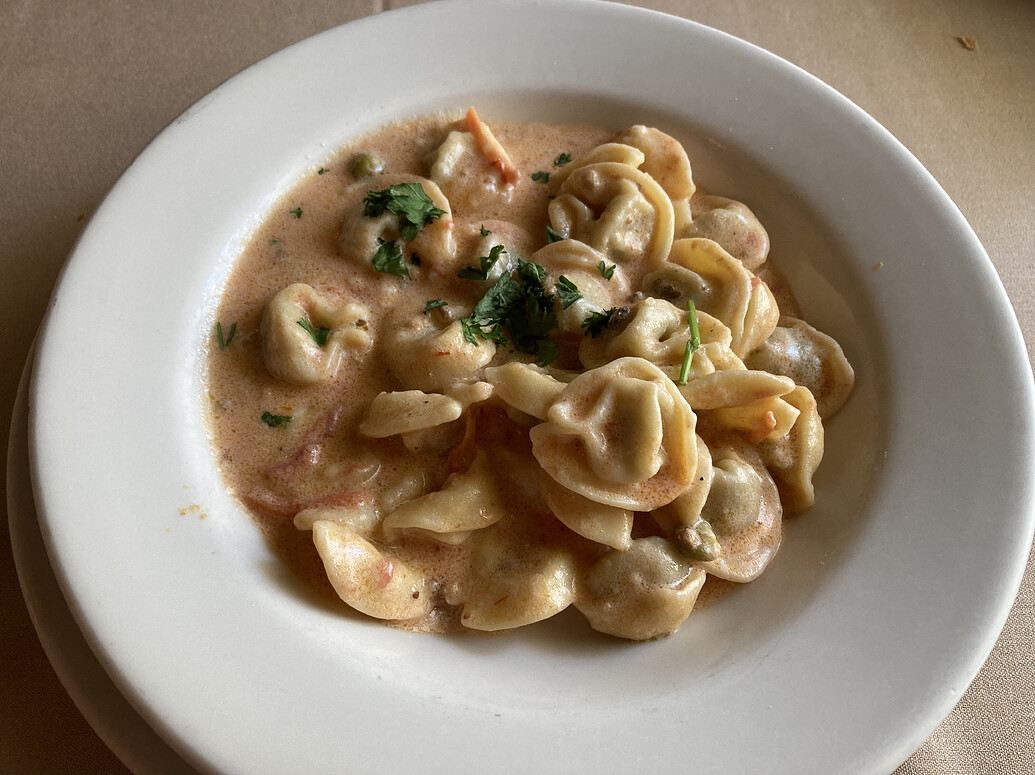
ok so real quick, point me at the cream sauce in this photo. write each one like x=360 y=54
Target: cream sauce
x=319 y=458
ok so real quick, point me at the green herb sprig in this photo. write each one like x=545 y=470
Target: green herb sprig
x=276 y=420
x=409 y=202
x=319 y=335
x=516 y=309
x=389 y=259
x=568 y=292
x=596 y=322
x=486 y=265
x=693 y=344
x=224 y=342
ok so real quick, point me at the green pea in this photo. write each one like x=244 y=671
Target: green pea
x=366 y=165
x=698 y=541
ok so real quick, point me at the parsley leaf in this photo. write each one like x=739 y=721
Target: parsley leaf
x=568 y=292
x=552 y=236
x=389 y=259
x=487 y=263
x=546 y=352
x=516 y=309
x=320 y=171
x=484 y=232
x=224 y=343
x=276 y=420
x=409 y=201
x=297 y=212
x=541 y=177
x=561 y=160
x=596 y=322
x=471 y=330
x=319 y=335
x=693 y=344
x=607 y=272
x=431 y=304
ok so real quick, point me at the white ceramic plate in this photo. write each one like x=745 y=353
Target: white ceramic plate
x=83 y=677
x=883 y=603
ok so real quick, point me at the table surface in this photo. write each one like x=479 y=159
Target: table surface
x=85 y=87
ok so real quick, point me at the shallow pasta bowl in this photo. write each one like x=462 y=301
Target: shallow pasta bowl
x=877 y=613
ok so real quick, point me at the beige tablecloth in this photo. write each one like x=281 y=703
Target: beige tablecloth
x=84 y=86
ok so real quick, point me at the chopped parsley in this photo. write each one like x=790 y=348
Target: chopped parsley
x=541 y=177
x=568 y=292
x=320 y=171
x=319 y=335
x=389 y=259
x=607 y=272
x=225 y=342
x=276 y=420
x=486 y=262
x=693 y=344
x=596 y=322
x=274 y=241
x=552 y=236
x=409 y=201
x=561 y=160
x=431 y=304
x=516 y=309
x=297 y=212
x=484 y=232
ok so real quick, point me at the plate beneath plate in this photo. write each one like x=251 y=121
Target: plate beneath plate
x=93 y=692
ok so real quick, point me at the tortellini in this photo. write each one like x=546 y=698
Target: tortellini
x=525 y=387
x=617 y=210
x=427 y=358
x=511 y=407
x=467 y=502
x=291 y=334
x=792 y=459
x=464 y=175
x=362 y=235
x=666 y=162
x=368 y=579
x=701 y=271
x=621 y=435
x=514 y=584
x=581 y=264
x=809 y=357
x=608 y=525
x=641 y=593
x=658 y=331
x=744 y=512
x=732 y=225
x=406 y=411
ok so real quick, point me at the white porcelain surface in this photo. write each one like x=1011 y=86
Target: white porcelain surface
x=882 y=604
x=83 y=677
